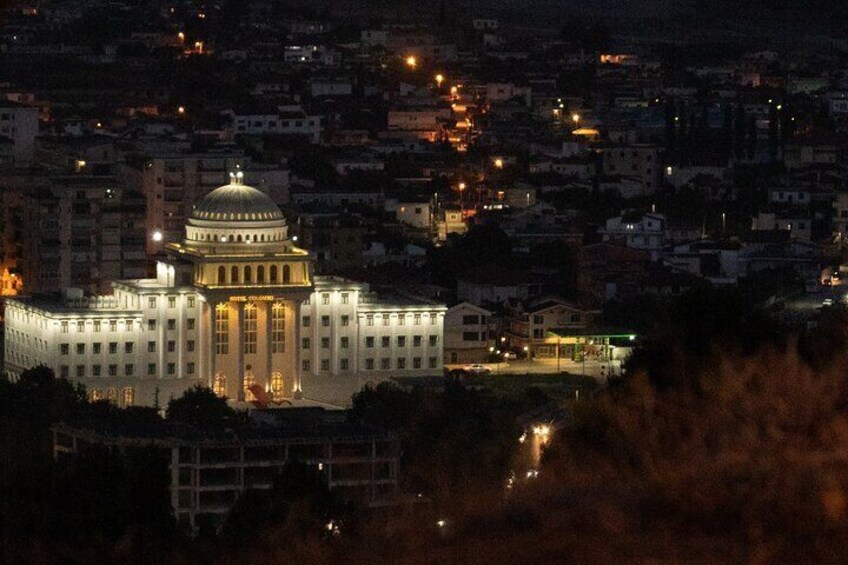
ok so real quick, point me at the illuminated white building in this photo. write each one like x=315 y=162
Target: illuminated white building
x=232 y=306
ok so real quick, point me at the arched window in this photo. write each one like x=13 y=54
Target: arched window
x=286 y=274
x=249 y=381
x=219 y=385
x=95 y=394
x=260 y=274
x=128 y=396
x=277 y=386
x=239 y=238
x=273 y=273
x=112 y=395
x=234 y=274
x=248 y=275
x=222 y=275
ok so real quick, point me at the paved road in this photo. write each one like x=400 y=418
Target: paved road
x=595 y=369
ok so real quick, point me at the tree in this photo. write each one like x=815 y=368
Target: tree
x=199 y=406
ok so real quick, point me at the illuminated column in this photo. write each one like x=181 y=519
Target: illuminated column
x=297 y=391
x=266 y=342
x=210 y=342
x=240 y=350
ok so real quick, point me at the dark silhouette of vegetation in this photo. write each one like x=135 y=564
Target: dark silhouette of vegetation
x=201 y=407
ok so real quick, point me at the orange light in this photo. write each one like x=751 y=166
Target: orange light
x=461 y=186
x=181 y=110
x=440 y=78
x=499 y=163
x=411 y=62
x=181 y=36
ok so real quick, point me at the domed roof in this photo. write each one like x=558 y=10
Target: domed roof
x=236 y=202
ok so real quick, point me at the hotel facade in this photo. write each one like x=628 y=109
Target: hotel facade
x=232 y=307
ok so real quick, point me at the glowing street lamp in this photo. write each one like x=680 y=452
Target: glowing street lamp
x=181 y=37
x=181 y=110
x=499 y=163
x=411 y=62
x=575 y=118
x=157 y=236
x=440 y=78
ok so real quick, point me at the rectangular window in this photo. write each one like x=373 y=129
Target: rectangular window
x=434 y=340
x=433 y=361
x=64 y=371
x=190 y=302
x=151 y=347
x=113 y=347
x=113 y=325
x=417 y=319
x=151 y=302
x=190 y=345
x=128 y=347
x=325 y=364
x=190 y=324
x=172 y=302
x=369 y=341
x=385 y=319
x=325 y=343
x=401 y=363
x=172 y=368
x=470 y=336
x=95 y=370
x=222 y=329
x=325 y=298
x=64 y=348
x=416 y=362
x=432 y=319
x=172 y=346
x=113 y=370
x=385 y=363
x=190 y=368
x=151 y=368
x=305 y=365
x=538 y=319
x=325 y=321
x=344 y=342
x=80 y=371
x=128 y=325
x=307 y=321
x=250 y=327
x=128 y=369
x=470 y=320
x=64 y=327
x=306 y=343
x=96 y=326
x=369 y=364
x=401 y=341
x=343 y=364
x=172 y=324
x=96 y=348
x=344 y=298
x=278 y=328
x=151 y=325
x=385 y=341
x=416 y=341
x=369 y=320
x=80 y=327
x=345 y=321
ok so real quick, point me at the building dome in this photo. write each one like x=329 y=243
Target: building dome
x=235 y=202
x=236 y=214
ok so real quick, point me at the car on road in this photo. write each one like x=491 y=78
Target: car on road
x=477 y=369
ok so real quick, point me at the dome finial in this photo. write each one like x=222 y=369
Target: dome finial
x=237 y=178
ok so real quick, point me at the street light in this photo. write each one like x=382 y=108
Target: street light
x=575 y=118
x=440 y=78
x=157 y=236
x=499 y=163
x=411 y=61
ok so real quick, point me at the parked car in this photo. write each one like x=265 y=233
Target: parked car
x=477 y=369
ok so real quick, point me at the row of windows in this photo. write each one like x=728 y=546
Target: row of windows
x=219 y=385
x=385 y=341
x=245 y=275
x=401 y=319
x=152 y=302
x=129 y=347
x=385 y=364
x=96 y=370
x=171 y=324
x=127 y=396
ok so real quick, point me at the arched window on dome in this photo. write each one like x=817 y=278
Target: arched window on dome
x=260 y=274
x=239 y=238
x=286 y=274
x=234 y=274
x=222 y=275
x=248 y=275
x=263 y=237
x=273 y=274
